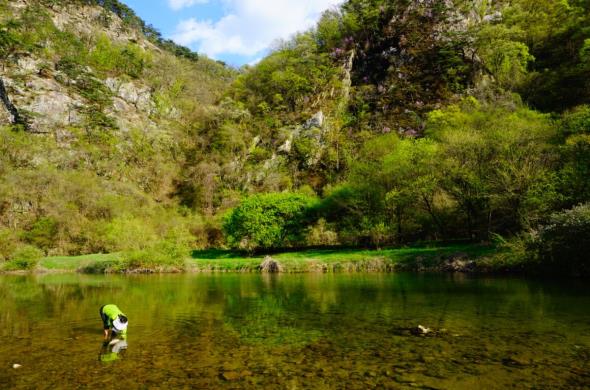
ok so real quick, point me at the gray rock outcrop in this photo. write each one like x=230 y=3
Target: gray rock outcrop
x=9 y=112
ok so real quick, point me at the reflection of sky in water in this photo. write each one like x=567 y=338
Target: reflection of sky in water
x=295 y=331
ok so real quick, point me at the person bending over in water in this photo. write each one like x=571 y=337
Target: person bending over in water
x=114 y=321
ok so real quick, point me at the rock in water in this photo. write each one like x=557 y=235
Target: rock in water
x=420 y=330
x=424 y=329
x=230 y=376
x=270 y=265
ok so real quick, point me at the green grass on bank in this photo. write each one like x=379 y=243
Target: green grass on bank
x=327 y=260
x=312 y=260
x=77 y=263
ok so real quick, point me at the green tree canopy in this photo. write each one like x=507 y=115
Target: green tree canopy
x=268 y=221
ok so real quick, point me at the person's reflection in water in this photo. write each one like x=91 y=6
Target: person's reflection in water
x=113 y=350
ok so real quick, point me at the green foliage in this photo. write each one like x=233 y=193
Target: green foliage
x=268 y=221
x=25 y=257
x=8 y=243
x=321 y=234
x=576 y=121
x=42 y=233
x=126 y=232
x=556 y=34
x=492 y=158
x=282 y=81
x=585 y=53
x=9 y=41
x=169 y=252
x=563 y=244
x=110 y=58
x=424 y=134
x=507 y=61
x=574 y=174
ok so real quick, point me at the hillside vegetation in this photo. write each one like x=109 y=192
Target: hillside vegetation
x=386 y=124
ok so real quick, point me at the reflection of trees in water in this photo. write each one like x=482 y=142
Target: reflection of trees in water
x=270 y=312
x=274 y=308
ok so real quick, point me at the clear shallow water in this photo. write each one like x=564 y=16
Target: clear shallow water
x=296 y=331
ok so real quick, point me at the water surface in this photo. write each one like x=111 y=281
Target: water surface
x=295 y=331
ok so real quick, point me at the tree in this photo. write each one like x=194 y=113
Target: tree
x=563 y=243
x=271 y=220
x=574 y=172
x=493 y=157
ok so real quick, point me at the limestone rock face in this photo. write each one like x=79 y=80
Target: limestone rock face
x=315 y=121
x=28 y=65
x=139 y=96
x=48 y=100
x=132 y=104
x=44 y=103
x=87 y=20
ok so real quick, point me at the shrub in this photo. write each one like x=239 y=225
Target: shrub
x=163 y=255
x=564 y=243
x=25 y=257
x=108 y=57
x=129 y=233
x=169 y=252
x=321 y=234
x=43 y=233
x=268 y=221
x=576 y=121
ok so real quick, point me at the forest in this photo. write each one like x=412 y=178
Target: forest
x=390 y=123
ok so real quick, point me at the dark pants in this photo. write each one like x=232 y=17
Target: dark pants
x=104 y=318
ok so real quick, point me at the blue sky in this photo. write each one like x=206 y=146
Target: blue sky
x=235 y=31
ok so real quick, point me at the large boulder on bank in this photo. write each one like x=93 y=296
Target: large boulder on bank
x=270 y=265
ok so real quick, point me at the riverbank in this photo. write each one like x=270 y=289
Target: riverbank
x=457 y=258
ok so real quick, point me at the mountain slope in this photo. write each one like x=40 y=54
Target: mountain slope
x=95 y=118
x=396 y=121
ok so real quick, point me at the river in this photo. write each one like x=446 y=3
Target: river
x=352 y=331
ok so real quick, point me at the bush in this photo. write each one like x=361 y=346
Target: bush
x=43 y=233
x=162 y=256
x=268 y=221
x=576 y=121
x=108 y=57
x=167 y=253
x=25 y=257
x=564 y=243
x=129 y=233
x=321 y=234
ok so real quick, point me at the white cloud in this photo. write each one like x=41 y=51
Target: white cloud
x=179 y=4
x=255 y=61
x=250 y=26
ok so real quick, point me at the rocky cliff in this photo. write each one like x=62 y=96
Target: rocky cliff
x=57 y=76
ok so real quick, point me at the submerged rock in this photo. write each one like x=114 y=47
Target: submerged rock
x=230 y=376
x=420 y=330
x=515 y=361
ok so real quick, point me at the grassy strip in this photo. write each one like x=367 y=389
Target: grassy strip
x=338 y=260
x=324 y=260
x=78 y=263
